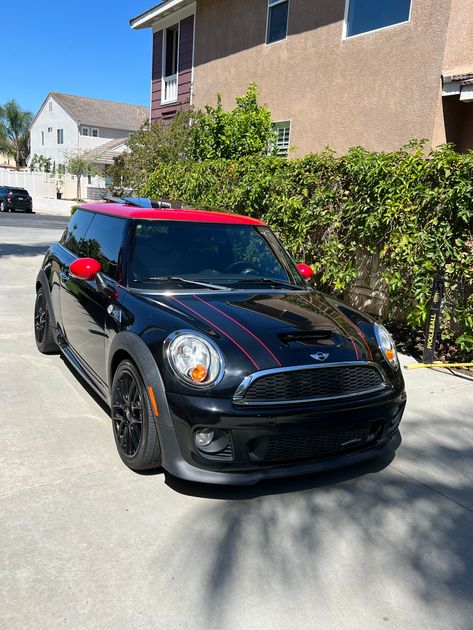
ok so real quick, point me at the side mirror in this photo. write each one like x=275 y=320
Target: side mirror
x=305 y=271
x=85 y=268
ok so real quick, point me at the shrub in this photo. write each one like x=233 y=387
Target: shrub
x=414 y=211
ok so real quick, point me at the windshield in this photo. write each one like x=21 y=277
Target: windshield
x=180 y=254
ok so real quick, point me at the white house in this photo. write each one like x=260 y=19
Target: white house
x=67 y=124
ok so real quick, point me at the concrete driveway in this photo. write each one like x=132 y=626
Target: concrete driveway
x=86 y=543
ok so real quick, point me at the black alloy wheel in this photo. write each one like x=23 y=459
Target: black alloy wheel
x=133 y=420
x=43 y=332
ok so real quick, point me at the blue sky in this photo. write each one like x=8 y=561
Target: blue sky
x=85 y=48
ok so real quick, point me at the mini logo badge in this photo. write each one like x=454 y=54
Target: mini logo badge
x=320 y=356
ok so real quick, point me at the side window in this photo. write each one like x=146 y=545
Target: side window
x=74 y=235
x=104 y=242
x=363 y=16
x=278 y=11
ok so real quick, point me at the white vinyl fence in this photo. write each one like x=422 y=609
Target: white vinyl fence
x=44 y=185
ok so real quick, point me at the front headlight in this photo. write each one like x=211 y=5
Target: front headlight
x=386 y=343
x=195 y=359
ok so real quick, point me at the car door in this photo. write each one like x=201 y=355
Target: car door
x=84 y=302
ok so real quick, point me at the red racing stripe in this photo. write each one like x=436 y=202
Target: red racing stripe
x=360 y=332
x=241 y=326
x=219 y=329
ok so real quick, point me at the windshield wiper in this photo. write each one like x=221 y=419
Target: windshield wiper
x=183 y=280
x=273 y=281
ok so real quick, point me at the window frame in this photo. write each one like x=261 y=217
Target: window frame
x=92 y=135
x=275 y=124
x=268 y=13
x=86 y=135
x=60 y=134
x=42 y=138
x=345 y=35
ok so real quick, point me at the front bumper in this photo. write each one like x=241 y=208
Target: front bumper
x=278 y=442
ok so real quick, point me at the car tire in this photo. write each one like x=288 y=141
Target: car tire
x=43 y=331
x=133 y=421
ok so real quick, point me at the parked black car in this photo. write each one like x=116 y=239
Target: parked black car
x=219 y=361
x=12 y=199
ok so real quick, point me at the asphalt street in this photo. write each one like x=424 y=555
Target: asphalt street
x=86 y=543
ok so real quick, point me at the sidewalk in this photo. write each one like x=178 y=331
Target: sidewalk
x=45 y=205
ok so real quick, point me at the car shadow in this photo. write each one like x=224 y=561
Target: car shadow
x=283 y=485
x=18 y=249
x=85 y=385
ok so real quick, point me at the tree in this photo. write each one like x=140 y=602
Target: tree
x=151 y=145
x=14 y=132
x=245 y=130
x=79 y=165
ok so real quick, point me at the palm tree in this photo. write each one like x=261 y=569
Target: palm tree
x=14 y=132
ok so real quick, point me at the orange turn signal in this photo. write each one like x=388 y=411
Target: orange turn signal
x=390 y=354
x=153 y=401
x=199 y=373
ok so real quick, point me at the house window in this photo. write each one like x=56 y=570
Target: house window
x=50 y=129
x=94 y=133
x=363 y=16
x=50 y=105
x=42 y=138
x=283 y=133
x=60 y=136
x=278 y=12
x=171 y=44
x=85 y=131
x=89 y=179
x=170 y=64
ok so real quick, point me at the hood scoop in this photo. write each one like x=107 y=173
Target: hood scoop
x=307 y=338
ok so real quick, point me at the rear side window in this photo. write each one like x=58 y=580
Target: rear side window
x=104 y=242
x=75 y=232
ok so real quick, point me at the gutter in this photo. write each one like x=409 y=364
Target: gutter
x=146 y=19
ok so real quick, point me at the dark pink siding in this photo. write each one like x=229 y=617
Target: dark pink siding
x=186 y=43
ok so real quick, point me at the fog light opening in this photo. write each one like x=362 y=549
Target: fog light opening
x=204 y=437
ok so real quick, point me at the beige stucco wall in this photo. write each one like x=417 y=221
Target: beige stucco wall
x=377 y=90
x=459 y=48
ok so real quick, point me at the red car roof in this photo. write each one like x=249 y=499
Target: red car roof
x=204 y=216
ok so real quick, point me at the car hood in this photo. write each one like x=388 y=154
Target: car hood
x=269 y=330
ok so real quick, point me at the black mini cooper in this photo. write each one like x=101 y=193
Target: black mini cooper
x=218 y=360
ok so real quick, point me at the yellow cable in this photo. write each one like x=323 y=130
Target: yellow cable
x=417 y=366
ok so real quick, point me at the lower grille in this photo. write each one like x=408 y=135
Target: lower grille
x=321 y=443
x=288 y=385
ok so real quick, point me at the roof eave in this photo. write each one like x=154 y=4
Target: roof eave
x=159 y=11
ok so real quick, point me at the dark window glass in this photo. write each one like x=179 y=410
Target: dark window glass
x=206 y=252
x=104 y=241
x=277 y=20
x=75 y=232
x=171 y=53
x=368 y=15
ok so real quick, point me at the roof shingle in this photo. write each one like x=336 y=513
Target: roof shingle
x=100 y=113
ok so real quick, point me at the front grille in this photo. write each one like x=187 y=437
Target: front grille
x=336 y=381
x=317 y=444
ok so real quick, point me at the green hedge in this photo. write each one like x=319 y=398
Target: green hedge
x=414 y=210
